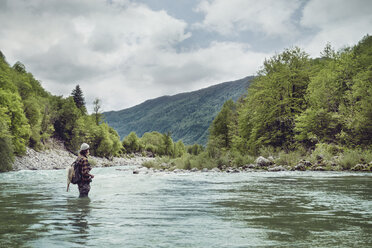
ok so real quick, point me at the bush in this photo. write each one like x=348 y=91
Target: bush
x=240 y=160
x=325 y=152
x=289 y=158
x=267 y=151
x=350 y=158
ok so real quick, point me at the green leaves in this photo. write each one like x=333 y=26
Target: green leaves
x=274 y=100
x=297 y=101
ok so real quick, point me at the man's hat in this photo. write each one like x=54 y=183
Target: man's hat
x=84 y=147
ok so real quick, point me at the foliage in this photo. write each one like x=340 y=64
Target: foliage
x=6 y=145
x=274 y=99
x=222 y=127
x=131 y=143
x=155 y=143
x=352 y=157
x=29 y=116
x=96 y=109
x=77 y=95
x=17 y=121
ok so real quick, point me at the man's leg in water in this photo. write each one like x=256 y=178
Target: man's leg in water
x=84 y=189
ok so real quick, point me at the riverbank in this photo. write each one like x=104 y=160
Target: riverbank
x=203 y=163
x=56 y=157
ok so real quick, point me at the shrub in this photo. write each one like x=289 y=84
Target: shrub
x=289 y=158
x=267 y=151
x=352 y=157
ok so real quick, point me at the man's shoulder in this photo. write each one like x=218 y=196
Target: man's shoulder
x=82 y=159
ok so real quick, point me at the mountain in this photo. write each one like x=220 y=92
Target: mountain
x=187 y=115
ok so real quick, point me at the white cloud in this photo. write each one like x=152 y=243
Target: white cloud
x=269 y=17
x=340 y=22
x=119 y=51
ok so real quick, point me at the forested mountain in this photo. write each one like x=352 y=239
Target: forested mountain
x=187 y=115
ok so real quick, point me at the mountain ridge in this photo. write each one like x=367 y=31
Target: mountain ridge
x=186 y=115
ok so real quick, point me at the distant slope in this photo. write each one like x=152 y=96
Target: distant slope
x=187 y=115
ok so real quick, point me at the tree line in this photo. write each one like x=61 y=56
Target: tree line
x=299 y=103
x=29 y=116
x=296 y=109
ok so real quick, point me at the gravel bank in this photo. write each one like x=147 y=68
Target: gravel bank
x=57 y=157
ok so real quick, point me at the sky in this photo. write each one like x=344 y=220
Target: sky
x=127 y=51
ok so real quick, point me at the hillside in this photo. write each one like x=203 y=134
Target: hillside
x=187 y=115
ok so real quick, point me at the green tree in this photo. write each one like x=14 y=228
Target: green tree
x=131 y=143
x=6 y=145
x=222 y=127
x=274 y=100
x=179 y=149
x=19 y=127
x=96 y=110
x=66 y=118
x=168 y=144
x=78 y=97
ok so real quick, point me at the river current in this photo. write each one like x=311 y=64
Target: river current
x=253 y=209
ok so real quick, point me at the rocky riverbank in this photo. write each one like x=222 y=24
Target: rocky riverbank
x=57 y=157
x=260 y=164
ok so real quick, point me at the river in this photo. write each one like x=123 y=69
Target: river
x=253 y=209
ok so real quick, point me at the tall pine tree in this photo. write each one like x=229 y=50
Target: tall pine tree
x=79 y=100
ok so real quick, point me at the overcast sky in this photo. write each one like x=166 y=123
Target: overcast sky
x=127 y=51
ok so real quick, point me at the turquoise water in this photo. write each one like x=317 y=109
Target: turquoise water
x=257 y=209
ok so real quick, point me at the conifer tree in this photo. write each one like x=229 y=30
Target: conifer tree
x=79 y=100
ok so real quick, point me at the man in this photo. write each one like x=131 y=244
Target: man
x=85 y=168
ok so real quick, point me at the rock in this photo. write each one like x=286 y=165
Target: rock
x=360 y=167
x=300 y=167
x=136 y=172
x=216 y=170
x=204 y=170
x=318 y=168
x=307 y=163
x=263 y=162
x=251 y=166
x=194 y=170
x=277 y=168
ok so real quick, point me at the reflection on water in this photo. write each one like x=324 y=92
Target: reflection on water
x=291 y=209
x=77 y=213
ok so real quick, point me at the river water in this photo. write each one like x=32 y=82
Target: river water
x=256 y=209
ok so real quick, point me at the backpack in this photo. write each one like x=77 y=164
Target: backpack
x=73 y=173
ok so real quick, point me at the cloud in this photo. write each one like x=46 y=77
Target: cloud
x=153 y=73
x=340 y=22
x=119 y=51
x=268 y=17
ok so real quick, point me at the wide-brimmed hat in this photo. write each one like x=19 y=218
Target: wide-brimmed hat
x=84 y=147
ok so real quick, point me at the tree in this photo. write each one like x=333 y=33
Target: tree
x=19 y=67
x=131 y=143
x=222 y=126
x=168 y=144
x=79 y=100
x=6 y=146
x=274 y=100
x=18 y=123
x=96 y=109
